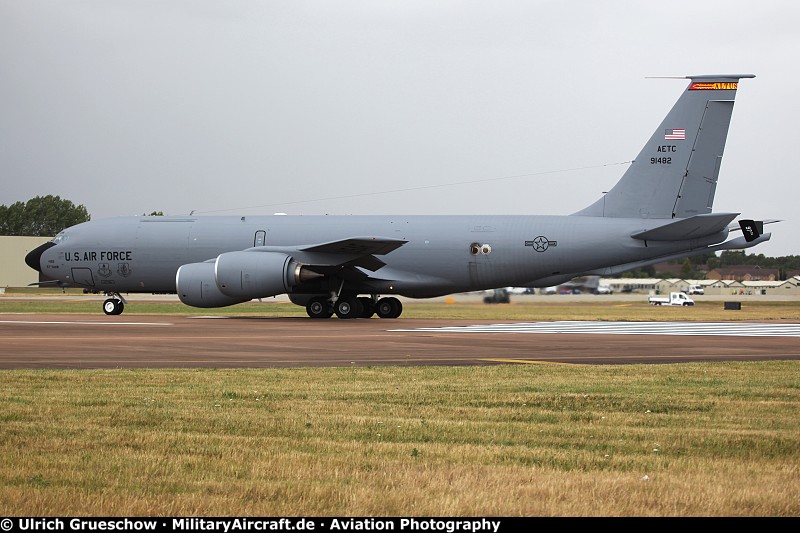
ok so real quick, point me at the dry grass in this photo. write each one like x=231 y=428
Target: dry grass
x=533 y=308
x=652 y=440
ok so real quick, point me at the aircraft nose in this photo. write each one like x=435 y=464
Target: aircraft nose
x=34 y=257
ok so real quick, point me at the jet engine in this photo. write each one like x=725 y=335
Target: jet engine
x=236 y=277
x=197 y=287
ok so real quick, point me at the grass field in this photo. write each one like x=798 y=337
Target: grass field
x=523 y=308
x=718 y=439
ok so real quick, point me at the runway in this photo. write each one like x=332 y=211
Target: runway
x=736 y=329
x=85 y=342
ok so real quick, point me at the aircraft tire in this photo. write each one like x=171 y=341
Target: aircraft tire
x=367 y=307
x=389 y=307
x=112 y=306
x=319 y=307
x=348 y=307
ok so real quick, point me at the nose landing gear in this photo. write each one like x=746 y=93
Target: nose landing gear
x=114 y=305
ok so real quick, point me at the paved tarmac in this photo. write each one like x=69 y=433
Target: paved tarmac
x=70 y=341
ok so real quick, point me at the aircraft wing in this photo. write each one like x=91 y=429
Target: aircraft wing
x=338 y=257
x=357 y=245
x=688 y=228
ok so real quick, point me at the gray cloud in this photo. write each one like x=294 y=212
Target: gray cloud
x=306 y=107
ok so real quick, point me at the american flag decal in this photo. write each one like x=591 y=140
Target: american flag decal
x=678 y=134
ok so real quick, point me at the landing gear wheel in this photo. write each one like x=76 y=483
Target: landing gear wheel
x=319 y=307
x=367 y=306
x=348 y=307
x=112 y=306
x=389 y=308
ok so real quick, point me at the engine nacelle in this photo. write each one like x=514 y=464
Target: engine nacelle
x=197 y=287
x=255 y=274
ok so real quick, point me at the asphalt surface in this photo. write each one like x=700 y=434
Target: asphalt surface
x=70 y=341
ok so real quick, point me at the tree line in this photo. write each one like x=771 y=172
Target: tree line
x=42 y=216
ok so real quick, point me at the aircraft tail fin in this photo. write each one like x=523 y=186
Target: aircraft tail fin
x=675 y=174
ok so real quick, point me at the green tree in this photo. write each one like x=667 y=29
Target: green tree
x=686 y=269
x=42 y=216
x=732 y=257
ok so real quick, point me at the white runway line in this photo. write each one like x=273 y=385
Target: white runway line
x=727 y=329
x=79 y=323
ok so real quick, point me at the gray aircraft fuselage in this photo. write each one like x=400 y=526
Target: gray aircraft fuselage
x=443 y=254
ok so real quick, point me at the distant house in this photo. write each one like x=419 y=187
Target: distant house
x=724 y=286
x=668 y=268
x=676 y=268
x=623 y=285
x=666 y=286
x=744 y=273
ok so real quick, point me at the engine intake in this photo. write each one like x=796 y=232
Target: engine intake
x=197 y=287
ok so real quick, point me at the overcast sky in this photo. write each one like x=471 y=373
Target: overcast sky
x=383 y=107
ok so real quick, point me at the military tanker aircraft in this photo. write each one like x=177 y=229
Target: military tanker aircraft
x=356 y=266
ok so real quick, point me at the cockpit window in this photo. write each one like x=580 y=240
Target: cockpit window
x=61 y=237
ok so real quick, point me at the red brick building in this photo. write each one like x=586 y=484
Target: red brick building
x=744 y=273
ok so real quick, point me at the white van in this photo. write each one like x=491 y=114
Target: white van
x=696 y=289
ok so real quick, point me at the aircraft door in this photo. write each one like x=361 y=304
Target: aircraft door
x=260 y=238
x=83 y=276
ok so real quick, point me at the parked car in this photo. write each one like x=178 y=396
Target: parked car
x=497 y=296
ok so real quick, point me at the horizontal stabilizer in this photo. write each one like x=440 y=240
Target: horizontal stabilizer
x=688 y=228
x=739 y=243
x=357 y=245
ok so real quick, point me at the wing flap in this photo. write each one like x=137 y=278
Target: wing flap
x=688 y=228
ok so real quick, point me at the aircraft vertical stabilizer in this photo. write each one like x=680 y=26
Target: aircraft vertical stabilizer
x=675 y=174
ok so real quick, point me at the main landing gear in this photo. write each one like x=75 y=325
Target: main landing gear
x=114 y=305
x=354 y=307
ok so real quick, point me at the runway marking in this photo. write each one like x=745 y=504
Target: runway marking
x=528 y=362
x=727 y=329
x=79 y=323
